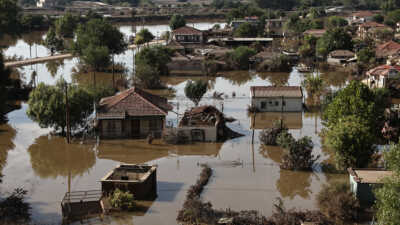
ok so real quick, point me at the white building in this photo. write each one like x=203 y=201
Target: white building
x=380 y=76
x=277 y=99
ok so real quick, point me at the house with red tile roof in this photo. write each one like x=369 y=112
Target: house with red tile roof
x=277 y=99
x=361 y=17
x=133 y=113
x=387 y=50
x=378 y=77
x=188 y=35
x=315 y=32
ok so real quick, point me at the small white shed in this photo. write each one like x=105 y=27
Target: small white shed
x=277 y=99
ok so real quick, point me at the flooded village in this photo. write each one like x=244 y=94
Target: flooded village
x=271 y=116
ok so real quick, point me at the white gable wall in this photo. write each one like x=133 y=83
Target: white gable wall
x=274 y=104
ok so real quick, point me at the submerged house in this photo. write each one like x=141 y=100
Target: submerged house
x=188 y=35
x=277 y=99
x=362 y=182
x=140 y=180
x=339 y=57
x=387 y=50
x=205 y=124
x=132 y=113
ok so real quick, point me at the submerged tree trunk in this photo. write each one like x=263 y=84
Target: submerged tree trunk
x=113 y=78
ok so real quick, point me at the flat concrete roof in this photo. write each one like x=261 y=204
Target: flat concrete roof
x=372 y=176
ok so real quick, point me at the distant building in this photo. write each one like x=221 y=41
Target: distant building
x=363 y=181
x=339 y=57
x=46 y=3
x=361 y=17
x=275 y=25
x=366 y=29
x=235 y=23
x=387 y=50
x=133 y=113
x=188 y=35
x=379 y=77
x=315 y=32
x=277 y=99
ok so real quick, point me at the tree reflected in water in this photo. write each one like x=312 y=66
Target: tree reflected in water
x=7 y=135
x=238 y=77
x=52 y=157
x=53 y=66
x=293 y=183
x=276 y=79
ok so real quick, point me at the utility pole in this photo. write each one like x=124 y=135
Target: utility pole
x=67 y=113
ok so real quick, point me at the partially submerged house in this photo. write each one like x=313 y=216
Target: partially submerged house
x=133 y=113
x=188 y=35
x=140 y=180
x=277 y=99
x=380 y=76
x=363 y=181
x=205 y=124
x=339 y=57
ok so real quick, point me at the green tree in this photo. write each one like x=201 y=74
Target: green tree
x=143 y=36
x=195 y=90
x=155 y=56
x=148 y=76
x=366 y=56
x=314 y=85
x=239 y=58
x=359 y=100
x=52 y=42
x=334 y=39
x=378 y=18
x=9 y=17
x=4 y=89
x=336 y=22
x=66 y=25
x=246 y=30
x=388 y=196
x=47 y=105
x=352 y=141
x=31 y=22
x=393 y=16
x=299 y=156
x=97 y=57
x=177 y=21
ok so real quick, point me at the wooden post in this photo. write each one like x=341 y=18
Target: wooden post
x=113 y=79
x=67 y=113
x=254 y=122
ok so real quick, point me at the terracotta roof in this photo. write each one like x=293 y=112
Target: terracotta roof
x=372 y=24
x=382 y=70
x=133 y=102
x=175 y=45
x=364 y=14
x=389 y=48
x=342 y=53
x=272 y=91
x=187 y=30
x=370 y=176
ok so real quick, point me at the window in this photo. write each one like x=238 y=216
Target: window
x=110 y=126
x=263 y=105
x=284 y=103
x=154 y=125
x=276 y=103
x=270 y=102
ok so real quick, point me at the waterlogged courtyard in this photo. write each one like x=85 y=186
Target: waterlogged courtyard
x=246 y=175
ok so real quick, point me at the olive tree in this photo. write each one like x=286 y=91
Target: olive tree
x=177 y=21
x=195 y=90
x=143 y=36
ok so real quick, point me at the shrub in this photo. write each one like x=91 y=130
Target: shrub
x=269 y=136
x=285 y=139
x=280 y=63
x=300 y=155
x=239 y=58
x=338 y=203
x=122 y=200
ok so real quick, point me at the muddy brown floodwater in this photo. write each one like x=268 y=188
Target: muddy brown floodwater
x=48 y=167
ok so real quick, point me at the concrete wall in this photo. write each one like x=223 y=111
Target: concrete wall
x=274 y=104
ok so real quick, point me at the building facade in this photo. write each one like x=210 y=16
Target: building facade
x=277 y=99
x=133 y=113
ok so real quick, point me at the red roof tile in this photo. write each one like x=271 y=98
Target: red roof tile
x=187 y=30
x=272 y=91
x=363 y=14
x=382 y=70
x=389 y=48
x=372 y=24
x=134 y=102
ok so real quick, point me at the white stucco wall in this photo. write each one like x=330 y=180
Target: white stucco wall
x=275 y=104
